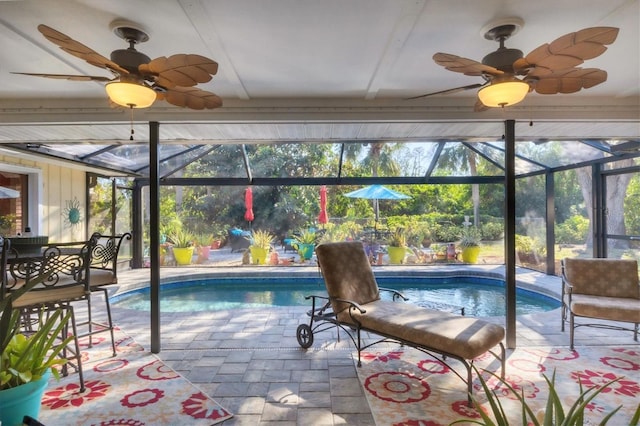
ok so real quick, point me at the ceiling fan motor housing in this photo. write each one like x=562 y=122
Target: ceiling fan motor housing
x=503 y=59
x=129 y=59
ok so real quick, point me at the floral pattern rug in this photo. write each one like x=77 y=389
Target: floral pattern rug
x=134 y=388
x=407 y=387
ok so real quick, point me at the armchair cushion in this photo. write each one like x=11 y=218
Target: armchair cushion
x=603 y=277
x=609 y=308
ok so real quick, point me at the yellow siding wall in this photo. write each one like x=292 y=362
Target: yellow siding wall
x=59 y=186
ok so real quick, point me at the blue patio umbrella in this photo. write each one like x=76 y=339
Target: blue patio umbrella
x=377 y=192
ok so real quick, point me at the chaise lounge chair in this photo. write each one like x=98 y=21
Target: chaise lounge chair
x=238 y=239
x=354 y=305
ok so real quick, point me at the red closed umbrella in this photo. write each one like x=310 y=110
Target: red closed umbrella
x=248 y=204
x=323 y=217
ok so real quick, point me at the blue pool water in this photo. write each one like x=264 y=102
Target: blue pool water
x=479 y=296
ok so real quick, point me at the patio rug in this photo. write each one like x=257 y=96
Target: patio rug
x=133 y=388
x=407 y=387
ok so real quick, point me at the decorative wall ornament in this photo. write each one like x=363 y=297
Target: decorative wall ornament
x=71 y=214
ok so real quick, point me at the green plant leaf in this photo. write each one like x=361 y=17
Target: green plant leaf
x=636 y=417
x=553 y=411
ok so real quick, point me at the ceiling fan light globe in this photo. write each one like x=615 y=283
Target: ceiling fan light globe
x=503 y=94
x=131 y=95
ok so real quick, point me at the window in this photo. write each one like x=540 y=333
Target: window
x=13 y=203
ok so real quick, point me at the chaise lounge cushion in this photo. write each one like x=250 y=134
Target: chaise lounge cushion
x=350 y=277
x=465 y=337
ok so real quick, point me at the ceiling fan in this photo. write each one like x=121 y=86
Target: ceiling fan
x=139 y=81
x=549 y=69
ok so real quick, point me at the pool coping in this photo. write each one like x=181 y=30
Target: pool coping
x=547 y=285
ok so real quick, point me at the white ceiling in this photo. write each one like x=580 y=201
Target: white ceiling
x=302 y=61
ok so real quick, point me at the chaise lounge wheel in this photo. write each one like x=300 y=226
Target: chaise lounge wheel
x=305 y=336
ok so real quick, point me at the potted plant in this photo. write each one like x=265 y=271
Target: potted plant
x=182 y=245
x=260 y=246
x=218 y=237
x=427 y=237
x=470 y=244
x=439 y=251
x=397 y=249
x=27 y=359
x=305 y=242
x=554 y=413
x=203 y=245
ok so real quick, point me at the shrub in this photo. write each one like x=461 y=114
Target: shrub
x=492 y=231
x=445 y=232
x=526 y=244
x=573 y=230
x=529 y=250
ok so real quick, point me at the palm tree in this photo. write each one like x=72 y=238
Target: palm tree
x=459 y=157
x=379 y=159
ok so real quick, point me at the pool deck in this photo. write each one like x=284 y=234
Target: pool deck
x=250 y=362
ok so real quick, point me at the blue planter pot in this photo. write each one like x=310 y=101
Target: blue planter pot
x=306 y=250
x=22 y=401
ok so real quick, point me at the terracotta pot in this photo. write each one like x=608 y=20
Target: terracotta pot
x=203 y=253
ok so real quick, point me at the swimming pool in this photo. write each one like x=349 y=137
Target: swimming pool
x=479 y=296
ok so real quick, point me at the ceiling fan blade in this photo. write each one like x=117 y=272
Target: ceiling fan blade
x=180 y=70
x=479 y=106
x=79 y=50
x=68 y=77
x=569 y=50
x=464 y=65
x=191 y=97
x=450 y=91
x=568 y=81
